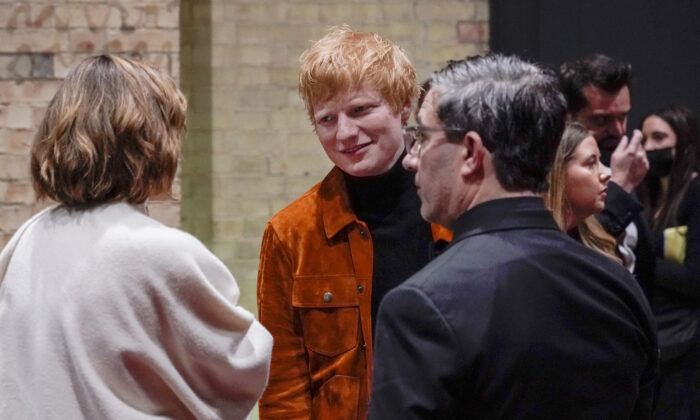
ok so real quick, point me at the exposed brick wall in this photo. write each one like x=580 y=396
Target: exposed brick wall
x=251 y=149
x=40 y=41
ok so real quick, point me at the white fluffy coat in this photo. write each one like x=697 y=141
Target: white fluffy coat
x=108 y=314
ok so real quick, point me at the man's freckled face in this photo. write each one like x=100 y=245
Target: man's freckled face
x=360 y=132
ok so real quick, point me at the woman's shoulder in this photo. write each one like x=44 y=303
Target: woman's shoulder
x=129 y=236
x=689 y=208
x=694 y=184
x=131 y=224
x=691 y=201
x=151 y=253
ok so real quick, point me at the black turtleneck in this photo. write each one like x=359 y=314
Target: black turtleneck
x=401 y=239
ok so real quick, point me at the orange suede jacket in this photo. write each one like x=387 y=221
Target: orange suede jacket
x=314 y=296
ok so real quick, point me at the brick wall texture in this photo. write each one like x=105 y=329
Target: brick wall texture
x=250 y=148
x=40 y=41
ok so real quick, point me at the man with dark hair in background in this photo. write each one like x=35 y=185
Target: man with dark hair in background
x=515 y=319
x=597 y=92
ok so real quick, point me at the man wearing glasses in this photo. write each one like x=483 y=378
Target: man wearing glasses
x=514 y=319
x=329 y=257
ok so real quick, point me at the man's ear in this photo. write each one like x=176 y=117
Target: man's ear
x=473 y=154
x=405 y=112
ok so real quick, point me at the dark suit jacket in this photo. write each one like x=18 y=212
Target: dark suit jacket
x=621 y=209
x=515 y=320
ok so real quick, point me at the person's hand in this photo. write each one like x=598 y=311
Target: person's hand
x=629 y=163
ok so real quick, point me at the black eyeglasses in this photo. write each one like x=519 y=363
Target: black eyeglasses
x=415 y=136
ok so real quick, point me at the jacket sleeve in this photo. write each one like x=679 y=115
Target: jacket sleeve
x=644 y=406
x=288 y=394
x=620 y=209
x=685 y=278
x=177 y=337
x=417 y=360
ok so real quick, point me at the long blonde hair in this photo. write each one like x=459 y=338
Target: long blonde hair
x=589 y=230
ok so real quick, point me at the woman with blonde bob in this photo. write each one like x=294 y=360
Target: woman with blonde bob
x=577 y=189
x=104 y=312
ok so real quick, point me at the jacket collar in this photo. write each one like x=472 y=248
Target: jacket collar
x=504 y=214
x=336 y=212
x=335 y=204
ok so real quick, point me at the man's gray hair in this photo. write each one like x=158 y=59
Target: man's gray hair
x=515 y=107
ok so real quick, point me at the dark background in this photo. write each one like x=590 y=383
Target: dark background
x=661 y=39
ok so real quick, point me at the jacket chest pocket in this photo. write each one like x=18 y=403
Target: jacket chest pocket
x=330 y=313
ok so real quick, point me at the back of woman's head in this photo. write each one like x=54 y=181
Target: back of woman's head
x=111 y=133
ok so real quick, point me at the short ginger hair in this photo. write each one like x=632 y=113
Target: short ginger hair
x=111 y=133
x=345 y=60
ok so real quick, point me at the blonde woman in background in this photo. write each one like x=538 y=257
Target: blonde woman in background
x=577 y=189
x=106 y=313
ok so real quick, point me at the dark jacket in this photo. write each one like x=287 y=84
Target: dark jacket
x=676 y=301
x=515 y=320
x=621 y=209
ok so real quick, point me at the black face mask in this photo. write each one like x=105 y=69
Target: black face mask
x=660 y=161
